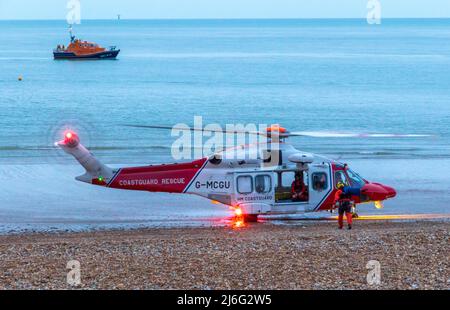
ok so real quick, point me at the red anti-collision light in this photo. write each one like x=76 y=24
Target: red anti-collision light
x=71 y=139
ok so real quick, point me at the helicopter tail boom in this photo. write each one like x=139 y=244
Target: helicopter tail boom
x=96 y=172
x=172 y=178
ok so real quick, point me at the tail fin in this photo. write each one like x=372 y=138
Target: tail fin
x=96 y=172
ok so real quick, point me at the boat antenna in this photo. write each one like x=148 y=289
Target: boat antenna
x=72 y=37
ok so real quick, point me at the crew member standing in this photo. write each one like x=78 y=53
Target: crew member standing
x=344 y=202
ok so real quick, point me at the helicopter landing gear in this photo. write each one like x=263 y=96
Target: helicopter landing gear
x=353 y=212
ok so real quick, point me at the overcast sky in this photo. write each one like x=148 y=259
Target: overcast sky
x=155 y=9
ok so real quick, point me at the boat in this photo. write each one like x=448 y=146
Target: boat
x=78 y=49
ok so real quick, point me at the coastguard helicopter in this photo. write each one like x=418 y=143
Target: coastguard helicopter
x=250 y=185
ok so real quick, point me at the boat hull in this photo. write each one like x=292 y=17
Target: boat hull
x=100 y=55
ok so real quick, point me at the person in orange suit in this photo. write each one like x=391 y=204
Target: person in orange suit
x=299 y=190
x=344 y=203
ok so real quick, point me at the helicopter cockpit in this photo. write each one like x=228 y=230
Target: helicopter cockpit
x=348 y=177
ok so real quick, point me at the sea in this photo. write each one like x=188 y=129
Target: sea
x=306 y=75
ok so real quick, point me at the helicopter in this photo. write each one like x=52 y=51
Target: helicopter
x=251 y=186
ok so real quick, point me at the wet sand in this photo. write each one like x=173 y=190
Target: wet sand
x=304 y=255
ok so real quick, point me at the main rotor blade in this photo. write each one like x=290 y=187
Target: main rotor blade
x=332 y=134
x=313 y=134
x=197 y=129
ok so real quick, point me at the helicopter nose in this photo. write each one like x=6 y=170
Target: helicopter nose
x=378 y=192
x=391 y=191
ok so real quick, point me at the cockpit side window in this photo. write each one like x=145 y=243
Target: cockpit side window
x=339 y=176
x=355 y=179
x=319 y=181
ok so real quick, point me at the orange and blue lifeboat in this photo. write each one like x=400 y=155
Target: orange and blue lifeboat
x=78 y=49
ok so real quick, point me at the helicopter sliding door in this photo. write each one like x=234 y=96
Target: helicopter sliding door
x=286 y=189
x=316 y=187
x=320 y=185
x=254 y=189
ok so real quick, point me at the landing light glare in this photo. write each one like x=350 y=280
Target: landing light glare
x=378 y=204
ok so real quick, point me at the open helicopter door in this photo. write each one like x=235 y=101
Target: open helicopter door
x=320 y=185
x=254 y=191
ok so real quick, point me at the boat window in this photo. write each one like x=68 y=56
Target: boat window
x=319 y=181
x=339 y=176
x=355 y=179
x=263 y=183
x=245 y=184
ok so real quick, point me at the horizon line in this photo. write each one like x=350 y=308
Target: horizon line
x=226 y=18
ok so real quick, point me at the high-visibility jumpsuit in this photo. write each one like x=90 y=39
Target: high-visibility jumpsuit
x=344 y=206
x=299 y=191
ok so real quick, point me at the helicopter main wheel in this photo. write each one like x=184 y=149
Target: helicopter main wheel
x=250 y=218
x=353 y=211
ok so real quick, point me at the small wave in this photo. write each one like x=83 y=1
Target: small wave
x=112 y=148
x=387 y=153
x=424 y=191
x=377 y=153
x=92 y=148
x=25 y=148
x=280 y=54
x=24 y=58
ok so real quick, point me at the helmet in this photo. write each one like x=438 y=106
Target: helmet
x=340 y=185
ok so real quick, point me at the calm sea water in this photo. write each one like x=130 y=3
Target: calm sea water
x=304 y=74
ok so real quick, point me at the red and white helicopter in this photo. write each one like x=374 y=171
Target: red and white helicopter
x=252 y=187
